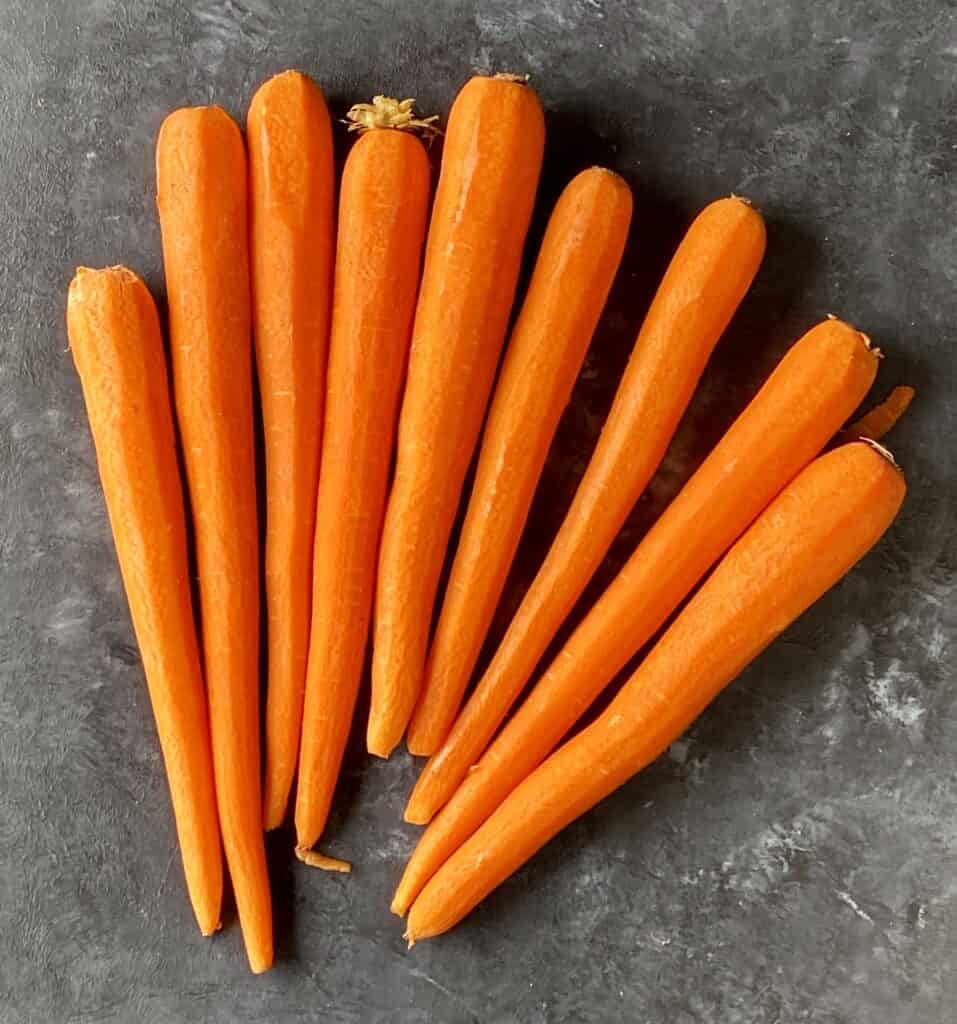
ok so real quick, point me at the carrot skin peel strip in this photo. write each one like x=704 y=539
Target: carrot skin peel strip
x=882 y=418
x=806 y=540
x=704 y=284
x=291 y=249
x=201 y=194
x=491 y=161
x=579 y=257
x=382 y=215
x=118 y=349
x=814 y=388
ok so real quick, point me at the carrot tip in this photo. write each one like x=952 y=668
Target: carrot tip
x=881 y=450
x=388 y=112
x=315 y=859
x=409 y=938
x=741 y=199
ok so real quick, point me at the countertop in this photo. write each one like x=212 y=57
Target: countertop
x=794 y=856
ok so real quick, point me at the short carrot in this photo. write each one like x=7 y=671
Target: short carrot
x=579 y=257
x=383 y=207
x=491 y=162
x=882 y=418
x=201 y=193
x=118 y=349
x=291 y=248
x=707 y=279
x=812 y=391
x=804 y=542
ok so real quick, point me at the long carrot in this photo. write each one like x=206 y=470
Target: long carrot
x=707 y=278
x=490 y=167
x=118 y=349
x=814 y=388
x=577 y=263
x=201 y=193
x=383 y=207
x=291 y=243
x=882 y=418
x=804 y=542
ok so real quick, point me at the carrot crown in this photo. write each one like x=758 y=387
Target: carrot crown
x=387 y=112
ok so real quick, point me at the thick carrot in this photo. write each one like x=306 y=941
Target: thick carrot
x=490 y=167
x=201 y=193
x=383 y=206
x=707 y=278
x=291 y=242
x=118 y=349
x=577 y=263
x=882 y=418
x=814 y=388
x=804 y=542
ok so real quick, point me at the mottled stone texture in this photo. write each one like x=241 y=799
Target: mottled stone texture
x=794 y=857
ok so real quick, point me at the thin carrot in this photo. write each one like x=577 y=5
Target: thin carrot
x=383 y=207
x=201 y=193
x=882 y=418
x=577 y=263
x=707 y=279
x=118 y=349
x=814 y=388
x=291 y=249
x=806 y=540
x=490 y=167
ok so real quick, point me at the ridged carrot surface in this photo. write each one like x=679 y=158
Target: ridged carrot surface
x=577 y=263
x=491 y=160
x=201 y=193
x=383 y=209
x=118 y=349
x=806 y=540
x=820 y=381
x=291 y=250
x=704 y=284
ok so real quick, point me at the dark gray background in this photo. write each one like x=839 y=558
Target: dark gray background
x=794 y=858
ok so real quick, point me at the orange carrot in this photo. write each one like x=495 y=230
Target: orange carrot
x=707 y=279
x=291 y=241
x=383 y=208
x=579 y=257
x=805 y=541
x=118 y=349
x=201 y=193
x=490 y=167
x=881 y=419
x=812 y=391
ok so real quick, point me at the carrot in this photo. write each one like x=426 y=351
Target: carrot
x=707 y=278
x=291 y=243
x=201 y=193
x=882 y=418
x=118 y=349
x=811 y=392
x=806 y=540
x=383 y=208
x=490 y=168
x=577 y=263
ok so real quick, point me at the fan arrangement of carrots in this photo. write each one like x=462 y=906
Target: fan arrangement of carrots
x=376 y=336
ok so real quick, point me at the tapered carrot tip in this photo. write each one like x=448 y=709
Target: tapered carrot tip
x=314 y=859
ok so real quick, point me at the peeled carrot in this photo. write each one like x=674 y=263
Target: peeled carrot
x=815 y=387
x=882 y=418
x=201 y=193
x=707 y=279
x=803 y=543
x=577 y=263
x=383 y=208
x=118 y=349
x=490 y=167
x=291 y=243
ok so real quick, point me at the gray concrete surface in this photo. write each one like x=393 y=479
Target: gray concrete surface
x=791 y=859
